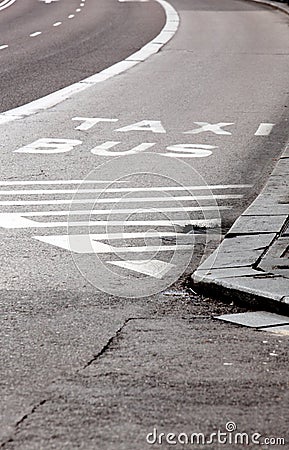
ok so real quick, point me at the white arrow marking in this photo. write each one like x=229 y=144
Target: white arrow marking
x=18 y=220
x=82 y=243
x=153 y=268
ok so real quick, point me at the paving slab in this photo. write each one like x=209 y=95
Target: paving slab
x=256 y=319
x=283 y=330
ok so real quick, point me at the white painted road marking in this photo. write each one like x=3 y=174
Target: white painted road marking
x=214 y=128
x=153 y=268
x=19 y=220
x=94 y=243
x=57 y=97
x=6 y=4
x=2 y=47
x=36 y=33
x=121 y=190
x=86 y=244
x=118 y=200
x=264 y=129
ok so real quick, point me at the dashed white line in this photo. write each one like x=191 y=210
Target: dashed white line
x=78 y=10
x=172 y=21
x=56 y=24
x=71 y=16
x=37 y=33
x=3 y=46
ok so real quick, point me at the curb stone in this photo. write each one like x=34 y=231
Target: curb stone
x=252 y=262
x=273 y=5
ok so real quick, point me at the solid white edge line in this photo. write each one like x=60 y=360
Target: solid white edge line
x=6 y=4
x=168 y=31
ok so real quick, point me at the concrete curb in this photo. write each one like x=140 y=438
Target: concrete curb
x=251 y=264
x=273 y=5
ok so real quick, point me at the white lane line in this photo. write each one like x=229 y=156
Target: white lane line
x=78 y=10
x=264 y=129
x=37 y=33
x=117 y=200
x=88 y=201
x=6 y=4
x=56 y=24
x=153 y=267
x=44 y=182
x=172 y=19
x=71 y=16
x=81 y=243
x=100 y=247
x=15 y=220
x=116 y=190
x=102 y=212
x=2 y=47
x=112 y=236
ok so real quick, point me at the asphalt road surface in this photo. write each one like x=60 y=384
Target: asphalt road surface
x=169 y=152
x=49 y=45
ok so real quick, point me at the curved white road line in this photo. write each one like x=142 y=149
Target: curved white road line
x=6 y=3
x=168 y=31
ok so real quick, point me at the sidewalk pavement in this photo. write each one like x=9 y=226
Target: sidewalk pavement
x=252 y=262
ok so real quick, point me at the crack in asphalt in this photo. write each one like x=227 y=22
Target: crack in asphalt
x=110 y=342
x=22 y=420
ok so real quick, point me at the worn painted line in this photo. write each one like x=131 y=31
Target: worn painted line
x=172 y=18
x=18 y=221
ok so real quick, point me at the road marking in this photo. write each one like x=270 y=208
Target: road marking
x=6 y=4
x=114 y=190
x=172 y=18
x=55 y=182
x=36 y=33
x=78 y=10
x=81 y=243
x=215 y=128
x=89 y=122
x=153 y=268
x=3 y=46
x=104 y=212
x=49 y=146
x=18 y=220
x=56 y=24
x=71 y=16
x=115 y=200
x=100 y=247
x=47 y=1
x=264 y=129
x=154 y=126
